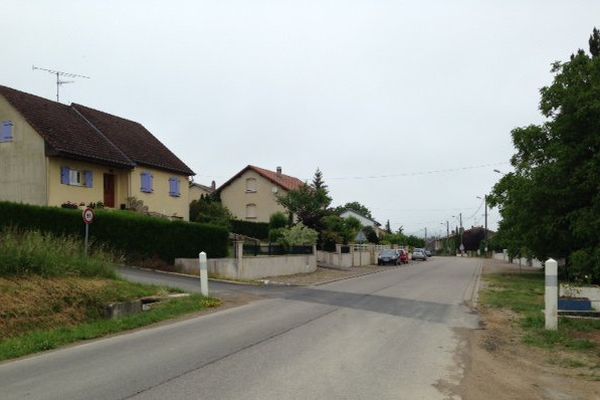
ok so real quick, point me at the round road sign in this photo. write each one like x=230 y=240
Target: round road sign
x=88 y=216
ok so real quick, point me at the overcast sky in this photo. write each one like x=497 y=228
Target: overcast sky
x=360 y=89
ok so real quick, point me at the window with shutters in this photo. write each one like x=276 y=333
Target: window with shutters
x=76 y=177
x=6 y=131
x=251 y=185
x=250 y=211
x=147 y=182
x=174 y=187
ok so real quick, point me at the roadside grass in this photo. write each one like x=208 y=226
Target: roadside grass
x=48 y=255
x=42 y=340
x=524 y=295
x=52 y=294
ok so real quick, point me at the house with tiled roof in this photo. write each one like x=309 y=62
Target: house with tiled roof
x=52 y=153
x=198 y=190
x=251 y=194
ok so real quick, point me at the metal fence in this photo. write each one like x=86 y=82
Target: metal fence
x=253 y=249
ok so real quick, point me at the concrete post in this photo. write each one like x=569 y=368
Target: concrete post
x=203 y=274
x=551 y=295
x=239 y=256
x=338 y=248
x=352 y=253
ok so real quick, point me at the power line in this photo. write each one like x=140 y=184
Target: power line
x=415 y=173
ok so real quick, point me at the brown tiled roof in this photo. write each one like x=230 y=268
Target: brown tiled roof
x=83 y=133
x=284 y=181
x=134 y=140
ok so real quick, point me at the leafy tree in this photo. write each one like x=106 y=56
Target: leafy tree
x=209 y=211
x=309 y=202
x=338 y=230
x=550 y=204
x=278 y=220
x=354 y=206
x=371 y=234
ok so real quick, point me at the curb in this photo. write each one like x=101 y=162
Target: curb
x=257 y=283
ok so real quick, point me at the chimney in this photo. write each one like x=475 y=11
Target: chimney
x=213 y=185
x=278 y=170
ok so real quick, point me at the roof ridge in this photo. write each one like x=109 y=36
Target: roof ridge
x=102 y=134
x=274 y=172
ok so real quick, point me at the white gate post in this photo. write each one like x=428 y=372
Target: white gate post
x=203 y=274
x=551 y=295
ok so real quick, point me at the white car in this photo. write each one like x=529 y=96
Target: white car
x=419 y=254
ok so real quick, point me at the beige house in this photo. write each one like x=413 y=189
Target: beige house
x=198 y=191
x=251 y=194
x=52 y=154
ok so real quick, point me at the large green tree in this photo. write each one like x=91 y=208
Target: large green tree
x=309 y=203
x=550 y=204
x=354 y=206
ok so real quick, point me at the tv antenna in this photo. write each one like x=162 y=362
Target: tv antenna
x=60 y=74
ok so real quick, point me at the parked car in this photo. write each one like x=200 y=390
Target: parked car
x=419 y=254
x=403 y=256
x=389 y=256
x=428 y=253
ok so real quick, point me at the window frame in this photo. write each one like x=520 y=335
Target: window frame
x=251 y=206
x=249 y=189
x=7 y=126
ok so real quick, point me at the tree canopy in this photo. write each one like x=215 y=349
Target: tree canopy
x=550 y=204
x=354 y=206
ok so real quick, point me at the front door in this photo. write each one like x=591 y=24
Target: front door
x=109 y=190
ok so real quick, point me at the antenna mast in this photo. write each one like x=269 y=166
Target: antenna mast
x=60 y=74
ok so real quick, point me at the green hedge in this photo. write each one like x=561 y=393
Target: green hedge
x=136 y=235
x=258 y=230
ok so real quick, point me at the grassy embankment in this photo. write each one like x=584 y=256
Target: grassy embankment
x=524 y=295
x=51 y=294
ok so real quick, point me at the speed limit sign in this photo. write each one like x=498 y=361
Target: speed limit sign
x=88 y=216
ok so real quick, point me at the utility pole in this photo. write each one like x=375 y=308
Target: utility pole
x=462 y=246
x=485 y=233
x=447 y=236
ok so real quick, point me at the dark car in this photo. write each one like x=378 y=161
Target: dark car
x=389 y=256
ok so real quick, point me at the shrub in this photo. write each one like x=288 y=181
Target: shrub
x=299 y=235
x=33 y=252
x=278 y=220
x=136 y=235
x=258 y=230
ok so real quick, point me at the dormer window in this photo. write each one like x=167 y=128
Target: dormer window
x=251 y=185
x=6 y=131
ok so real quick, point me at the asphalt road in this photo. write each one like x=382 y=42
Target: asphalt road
x=391 y=335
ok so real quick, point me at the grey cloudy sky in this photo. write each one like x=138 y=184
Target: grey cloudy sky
x=357 y=88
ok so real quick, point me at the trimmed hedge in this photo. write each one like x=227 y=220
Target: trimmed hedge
x=139 y=236
x=258 y=230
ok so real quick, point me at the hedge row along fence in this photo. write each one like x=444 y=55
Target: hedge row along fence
x=139 y=236
x=258 y=230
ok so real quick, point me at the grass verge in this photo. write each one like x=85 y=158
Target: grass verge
x=42 y=340
x=524 y=295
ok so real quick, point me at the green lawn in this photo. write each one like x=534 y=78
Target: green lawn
x=524 y=294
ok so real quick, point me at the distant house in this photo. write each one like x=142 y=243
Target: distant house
x=364 y=221
x=251 y=194
x=52 y=153
x=198 y=191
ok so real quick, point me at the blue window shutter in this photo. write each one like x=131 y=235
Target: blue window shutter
x=177 y=187
x=6 y=135
x=171 y=187
x=144 y=177
x=89 y=179
x=150 y=183
x=64 y=175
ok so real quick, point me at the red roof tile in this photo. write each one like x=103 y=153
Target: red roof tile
x=284 y=181
x=80 y=132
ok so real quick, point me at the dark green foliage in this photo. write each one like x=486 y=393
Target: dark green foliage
x=136 y=235
x=371 y=234
x=209 y=211
x=257 y=230
x=550 y=204
x=278 y=220
x=388 y=228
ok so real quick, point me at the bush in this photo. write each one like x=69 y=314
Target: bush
x=138 y=236
x=33 y=252
x=278 y=220
x=257 y=230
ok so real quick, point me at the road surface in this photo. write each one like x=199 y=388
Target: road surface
x=390 y=335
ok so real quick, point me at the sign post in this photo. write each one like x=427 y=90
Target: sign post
x=88 y=218
x=551 y=295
